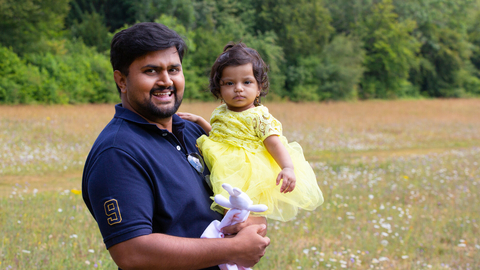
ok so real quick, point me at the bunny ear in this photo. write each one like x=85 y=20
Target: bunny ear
x=223 y=201
x=258 y=208
x=228 y=188
x=236 y=192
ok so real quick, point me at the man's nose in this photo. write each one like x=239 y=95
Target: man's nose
x=164 y=79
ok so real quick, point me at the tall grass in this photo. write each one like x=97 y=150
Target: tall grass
x=401 y=182
x=415 y=212
x=49 y=230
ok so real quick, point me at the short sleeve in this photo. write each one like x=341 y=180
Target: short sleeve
x=121 y=197
x=265 y=124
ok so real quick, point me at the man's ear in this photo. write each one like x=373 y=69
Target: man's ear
x=121 y=80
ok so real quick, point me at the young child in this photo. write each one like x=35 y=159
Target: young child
x=245 y=147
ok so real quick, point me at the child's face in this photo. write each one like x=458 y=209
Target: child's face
x=239 y=88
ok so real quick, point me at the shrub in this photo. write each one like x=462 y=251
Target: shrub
x=19 y=82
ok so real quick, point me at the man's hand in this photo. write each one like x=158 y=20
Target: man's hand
x=251 y=245
x=252 y=220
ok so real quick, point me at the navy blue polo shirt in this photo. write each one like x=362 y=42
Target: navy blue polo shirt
x=137 y=180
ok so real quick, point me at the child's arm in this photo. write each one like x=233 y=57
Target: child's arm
x=197 y=120
x=281 y=156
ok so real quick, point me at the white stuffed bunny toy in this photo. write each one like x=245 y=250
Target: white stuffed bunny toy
x=240 y=206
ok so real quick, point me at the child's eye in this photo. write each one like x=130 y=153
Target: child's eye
x=248 y=82
x=228 y=83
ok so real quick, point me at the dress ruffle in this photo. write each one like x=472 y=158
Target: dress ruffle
x=254 y=171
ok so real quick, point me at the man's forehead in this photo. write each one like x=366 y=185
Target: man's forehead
x=168 y=56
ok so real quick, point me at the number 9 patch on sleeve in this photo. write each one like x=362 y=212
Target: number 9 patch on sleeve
x=113 y=212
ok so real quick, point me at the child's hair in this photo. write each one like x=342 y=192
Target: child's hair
x=237 y=55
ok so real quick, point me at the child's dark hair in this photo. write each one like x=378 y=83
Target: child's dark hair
x=237 y=55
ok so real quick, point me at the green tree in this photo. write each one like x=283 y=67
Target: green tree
x=115 y=13
x=20 y=82
x=92 y=31
x=31 y=25
x=445 y=68
x=472 y=83
x=303 y=27
x=334 y=74
x=81 y=75
x=390 y=53
x=149 y=10
x=347 y=15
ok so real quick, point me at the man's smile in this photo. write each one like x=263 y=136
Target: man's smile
x=169 y=93
x=163 y=94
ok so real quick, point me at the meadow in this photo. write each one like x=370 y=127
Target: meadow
x=401 y=181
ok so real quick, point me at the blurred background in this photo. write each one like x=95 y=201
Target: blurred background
x=401 y=179
x=57 y=51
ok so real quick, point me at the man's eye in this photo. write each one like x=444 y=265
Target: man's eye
x=150 y=71
x=174 y=70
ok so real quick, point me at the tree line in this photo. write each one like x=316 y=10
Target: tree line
x=57 y=51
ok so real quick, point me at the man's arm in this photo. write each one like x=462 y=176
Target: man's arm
x=161 y=251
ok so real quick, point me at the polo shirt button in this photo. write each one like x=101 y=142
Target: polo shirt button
x=164 y=134
x=179 y=148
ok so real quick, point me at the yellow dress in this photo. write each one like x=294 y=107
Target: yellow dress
x=235 y=154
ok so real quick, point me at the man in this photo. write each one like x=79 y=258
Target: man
x=151 y=204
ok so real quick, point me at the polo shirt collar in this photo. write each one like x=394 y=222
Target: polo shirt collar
x=126 y=114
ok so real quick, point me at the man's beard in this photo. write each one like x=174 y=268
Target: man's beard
x=158 y=113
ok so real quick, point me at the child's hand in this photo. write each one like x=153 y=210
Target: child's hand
x=196 y=119
x=189 y=116
x=289 y=180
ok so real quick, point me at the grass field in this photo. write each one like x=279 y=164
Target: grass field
x=401 y=181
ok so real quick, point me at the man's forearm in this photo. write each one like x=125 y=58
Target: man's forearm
x=160 y=251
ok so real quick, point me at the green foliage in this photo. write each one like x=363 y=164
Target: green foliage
x=347 y=15
x=390 y=52
x=316 y=49
x=148 y=10
x=334 y=74
x=26 y=26
x=19 y=82
x=445 y=64
x=303 y=27
x=92 y=31
x=272 y=54
x=80 y=76
x=116 y=13
x=473 y=32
